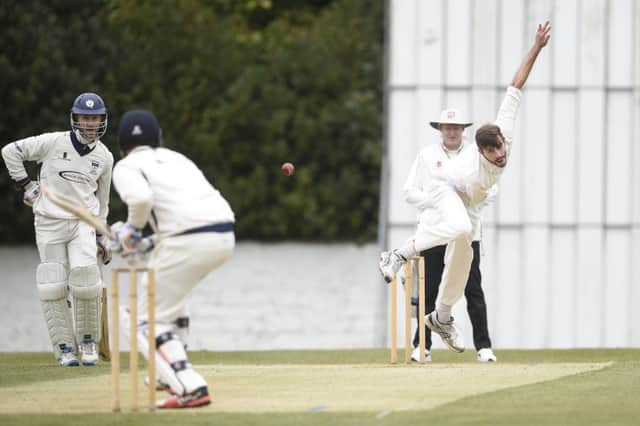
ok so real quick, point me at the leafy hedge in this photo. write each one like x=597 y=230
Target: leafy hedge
x=239 y=86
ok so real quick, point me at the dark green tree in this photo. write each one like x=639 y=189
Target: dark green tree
x=239 y=86
x=52 y=50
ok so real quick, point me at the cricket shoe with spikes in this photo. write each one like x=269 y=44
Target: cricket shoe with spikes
x=89 y=352
x=390 y=263
x=68 y=358
x=197 y=398
x=447 y=331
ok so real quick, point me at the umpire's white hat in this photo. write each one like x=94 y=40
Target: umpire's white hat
x=450 y=116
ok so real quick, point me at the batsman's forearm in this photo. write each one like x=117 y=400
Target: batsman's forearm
x=139 y=213
x=525 y=68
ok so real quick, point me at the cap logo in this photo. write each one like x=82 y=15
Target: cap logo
x=89 y=103
x=137 y=130
x=451 y=114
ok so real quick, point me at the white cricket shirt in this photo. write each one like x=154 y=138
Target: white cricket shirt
x=471 y=173
x=432 y=160
x=80 y=173
x=168 y=190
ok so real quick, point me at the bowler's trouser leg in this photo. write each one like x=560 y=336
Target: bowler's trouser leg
x=457 y=261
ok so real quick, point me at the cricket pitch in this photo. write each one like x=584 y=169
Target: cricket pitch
x=377 y=389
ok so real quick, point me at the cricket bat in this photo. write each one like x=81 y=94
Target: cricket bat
x=82 y=213
x=104 y=349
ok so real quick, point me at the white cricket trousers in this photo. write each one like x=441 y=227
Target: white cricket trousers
x=180 y=263
x=456 y=228
x=67 y=241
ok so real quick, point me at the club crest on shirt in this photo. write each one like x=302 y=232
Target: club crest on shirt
x=95 y=165
x=438 y=163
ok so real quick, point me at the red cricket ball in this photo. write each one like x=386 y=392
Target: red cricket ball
x=288 y=169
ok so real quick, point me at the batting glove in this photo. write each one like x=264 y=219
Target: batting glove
x=31 y=193
x=127 y=238
x=104 y=251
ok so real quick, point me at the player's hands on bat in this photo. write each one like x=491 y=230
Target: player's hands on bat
x=126 y=240
x=104 y=252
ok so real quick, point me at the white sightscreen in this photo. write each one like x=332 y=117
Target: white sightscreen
x=560 y=242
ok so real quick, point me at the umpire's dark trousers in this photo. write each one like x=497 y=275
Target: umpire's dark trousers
x=476 y=305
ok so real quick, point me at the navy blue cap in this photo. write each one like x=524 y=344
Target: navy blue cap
x=138 y=127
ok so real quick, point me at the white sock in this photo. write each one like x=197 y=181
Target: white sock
x=443 y=313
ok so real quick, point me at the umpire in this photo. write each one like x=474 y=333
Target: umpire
x=432 y=160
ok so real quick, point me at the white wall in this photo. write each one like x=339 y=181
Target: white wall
x=267 y=296
x=561 y=243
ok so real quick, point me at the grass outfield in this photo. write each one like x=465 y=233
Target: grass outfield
x=356 y=387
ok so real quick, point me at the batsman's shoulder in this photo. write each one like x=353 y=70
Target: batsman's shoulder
x=55 y=135
x=49 y=138
x=127 y=165
x=103 y=151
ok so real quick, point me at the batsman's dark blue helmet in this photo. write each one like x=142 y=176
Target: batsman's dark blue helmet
x=138 y=127
x=89 y=104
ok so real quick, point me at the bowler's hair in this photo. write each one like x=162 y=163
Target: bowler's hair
x=487 y=136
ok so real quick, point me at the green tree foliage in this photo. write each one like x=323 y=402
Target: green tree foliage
x=238 y=86
x=51 y=52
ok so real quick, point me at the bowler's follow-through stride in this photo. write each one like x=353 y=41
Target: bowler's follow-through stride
x=459 y=190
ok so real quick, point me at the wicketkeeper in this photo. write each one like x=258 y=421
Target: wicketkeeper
x=76 y=164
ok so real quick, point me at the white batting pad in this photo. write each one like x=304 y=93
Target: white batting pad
x=86 y=288
x=182 y=330
x=172 y=364
x=52 y=289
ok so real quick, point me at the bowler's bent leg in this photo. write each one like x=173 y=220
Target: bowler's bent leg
x=455 y=223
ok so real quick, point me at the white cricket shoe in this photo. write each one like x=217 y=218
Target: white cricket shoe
x=89 y=352
x=415 y=355
x=390 y=263
x=68 y=358
x=447 y=331
x=486 y=355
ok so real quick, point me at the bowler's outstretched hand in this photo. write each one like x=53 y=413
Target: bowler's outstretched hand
x=542 y=35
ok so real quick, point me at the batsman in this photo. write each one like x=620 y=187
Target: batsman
x=193 y=224
x=75 y=163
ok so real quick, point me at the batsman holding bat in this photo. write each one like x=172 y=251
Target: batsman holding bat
x=458 y=190
x=78 y=165
x=194 y=228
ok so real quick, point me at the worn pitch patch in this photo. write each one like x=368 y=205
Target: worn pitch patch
x=301 y=388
